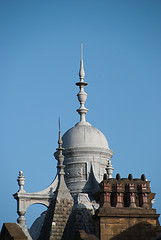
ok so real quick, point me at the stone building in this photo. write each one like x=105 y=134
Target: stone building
x=84 y=201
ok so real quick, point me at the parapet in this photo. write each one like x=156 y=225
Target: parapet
x=126 y=192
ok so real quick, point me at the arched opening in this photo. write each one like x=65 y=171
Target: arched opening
x=33 y=212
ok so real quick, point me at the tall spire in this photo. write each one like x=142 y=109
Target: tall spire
x=60 y=157
x=82 y=95
x=62 y=190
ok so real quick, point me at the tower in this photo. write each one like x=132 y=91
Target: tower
x=83 y=158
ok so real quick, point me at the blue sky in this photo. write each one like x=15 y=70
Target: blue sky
x=39 y=65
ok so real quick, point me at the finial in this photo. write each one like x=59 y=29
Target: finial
x=81 y=71
x=81 y=51
x=59 y=139
x=109 y=169
x=82 y=95
x=59 y=124
x=21 y=181
x=60 y=156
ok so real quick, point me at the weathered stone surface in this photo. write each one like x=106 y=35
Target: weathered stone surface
x=82 y=235
x=80 y=219
x=128 y=214
x=125 y=223
x=11 y=231
x=56 y=220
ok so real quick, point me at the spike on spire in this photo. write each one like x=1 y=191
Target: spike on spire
x=59 y=124
x=82 y=95
x=60 y=140
x=81 y=71
x=81 y=51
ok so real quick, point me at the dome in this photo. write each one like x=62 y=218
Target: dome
x=87 y=156
x=84 y=136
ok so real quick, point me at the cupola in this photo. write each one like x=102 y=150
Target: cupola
x=87 y=156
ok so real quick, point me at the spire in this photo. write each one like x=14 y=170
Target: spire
x=82 y=95
x=60 y=207
x=60 y=157
x=62 y=190
x=60 y=140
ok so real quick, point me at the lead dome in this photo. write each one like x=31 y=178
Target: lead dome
x=84 y=136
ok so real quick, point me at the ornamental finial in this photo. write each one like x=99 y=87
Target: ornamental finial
x=60 y=142
x=109 y=169
x=82 y=95
x=81 y=51
x=21 y=181
x=60 y=156
x=81 y=71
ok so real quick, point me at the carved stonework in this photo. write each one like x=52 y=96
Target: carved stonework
x=76 y=170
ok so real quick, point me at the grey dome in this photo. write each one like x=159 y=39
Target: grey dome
x=84 y=136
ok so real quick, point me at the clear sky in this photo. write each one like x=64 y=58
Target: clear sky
x=39 y=65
